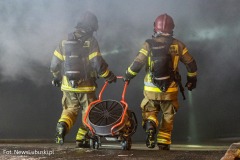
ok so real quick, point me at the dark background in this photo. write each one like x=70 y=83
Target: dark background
x=30 y=31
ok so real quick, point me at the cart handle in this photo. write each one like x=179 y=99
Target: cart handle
x=124 y=89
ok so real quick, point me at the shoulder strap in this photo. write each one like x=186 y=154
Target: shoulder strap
x=150 y=41
x=148 y=66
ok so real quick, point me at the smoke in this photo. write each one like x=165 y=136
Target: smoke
x=31 y=30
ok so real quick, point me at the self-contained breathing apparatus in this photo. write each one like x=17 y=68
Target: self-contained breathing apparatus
x=76 y=64
x=161 y=68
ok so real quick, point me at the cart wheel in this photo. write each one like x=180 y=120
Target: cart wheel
x=127 y=144
x=91 y=143
x=94 y=144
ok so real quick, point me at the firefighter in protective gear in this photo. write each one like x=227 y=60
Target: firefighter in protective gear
x=75 y=65
x=161 y=55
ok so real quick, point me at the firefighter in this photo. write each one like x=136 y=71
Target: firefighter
x=161 y=55
x=75 y=65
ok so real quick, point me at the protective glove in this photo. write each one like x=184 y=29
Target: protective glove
x=191 y=83
x=111 y=77
x=127 y=77
x=56 y=82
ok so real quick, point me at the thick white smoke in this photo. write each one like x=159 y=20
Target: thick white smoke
x=30 y=30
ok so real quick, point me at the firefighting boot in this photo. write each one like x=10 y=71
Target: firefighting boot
x=82 y=139
x=150 y=129
x=84 y=143
x=61 y=130
x=162 y=146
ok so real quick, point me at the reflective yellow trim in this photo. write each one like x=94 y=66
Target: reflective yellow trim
x=163 y=141
x=94 y=54
x=58 y=55
x=79 y=89
x=143 y=51
x=164 y=138
x=155 y=89
x=149 y=78
x=185 y=50
x=131 y=72
x=81 y=134
x=192 y=74
x=154 y=119
x=163 y=134
x=105 y=74
x=149 y=63
x=175 y=63
x=67 y=120
x=67 y=87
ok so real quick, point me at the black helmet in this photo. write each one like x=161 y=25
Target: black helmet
x=88 y=23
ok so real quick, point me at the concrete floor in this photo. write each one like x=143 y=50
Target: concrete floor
x=51 y=151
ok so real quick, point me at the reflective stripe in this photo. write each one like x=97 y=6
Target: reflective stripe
x=131 y=72
x=68 y=42
x=164 y=138
x=174 y=49
x=149 y=78
x=163 y=141
x=192 y=74
x=81 y=134
x=73 y=56
x=175 y=63
x=155 y=89
x=58 y=55
x=94 y=54
x=163 y=134
x=72 y=72
x=105 y=74
x=154 y=119
x=162 y=78
x=67 y=87
x=67 y=120
x=143 y=51
x=149 y=63
x=79 y=89
x=185 y=50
